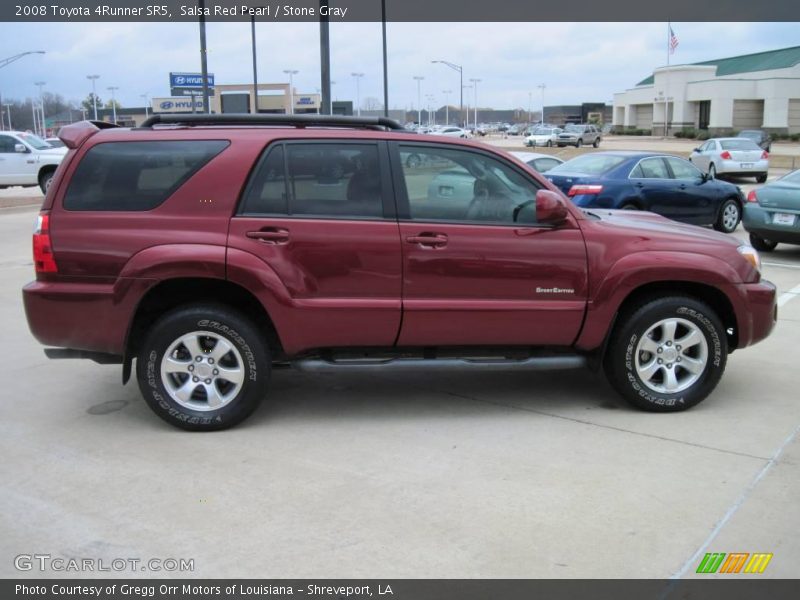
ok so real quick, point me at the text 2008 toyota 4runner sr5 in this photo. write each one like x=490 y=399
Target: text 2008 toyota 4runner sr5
x=206 y=248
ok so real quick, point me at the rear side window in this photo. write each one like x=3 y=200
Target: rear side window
x=135 y=176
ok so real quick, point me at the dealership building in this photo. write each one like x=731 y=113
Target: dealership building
x=754 y=91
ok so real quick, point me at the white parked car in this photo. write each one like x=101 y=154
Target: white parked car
x=27 y=160
x=452 y=132
x=732 y=156
x=543 y=136
x=539 y=162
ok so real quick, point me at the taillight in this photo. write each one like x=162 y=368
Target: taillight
x=578 y=190
x=43 y=258
x=725 y=155
x=751 y=196
x=765 y=154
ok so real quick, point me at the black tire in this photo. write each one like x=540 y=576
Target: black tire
x=620 y=361
x=761 y=178
x=596 y=143
x=726 y=223
x=579 y=143
x=629 y=206
x=44 y=180
x=761 y=244
x=413 y=161
x=712 y=171
x=549 y=143
x=253 y=362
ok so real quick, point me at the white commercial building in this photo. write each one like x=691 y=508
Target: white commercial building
x=754 y=91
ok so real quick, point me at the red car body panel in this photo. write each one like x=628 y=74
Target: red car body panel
x=335 y=283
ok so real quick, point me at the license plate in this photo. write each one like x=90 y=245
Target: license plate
x=747 y=165
x=783 y=219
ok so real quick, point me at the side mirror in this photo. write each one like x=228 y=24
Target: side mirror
x=20 y=148
x=697 y=150
x=550 y=208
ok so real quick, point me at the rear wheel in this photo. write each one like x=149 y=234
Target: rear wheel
x=596 y=143
x=761 y=244
x=203 y=367
x=761 y=178
x=549 y=144
x=729 y=216
x=668 y=355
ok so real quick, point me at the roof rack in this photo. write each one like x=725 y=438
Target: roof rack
x=285 y=120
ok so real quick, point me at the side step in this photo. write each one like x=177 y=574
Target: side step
x=539 y=363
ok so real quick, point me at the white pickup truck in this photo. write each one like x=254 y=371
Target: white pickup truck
x=27 y=160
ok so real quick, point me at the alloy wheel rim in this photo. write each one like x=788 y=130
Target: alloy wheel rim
x=671 y=356
x=730 y=216
x=202 y=371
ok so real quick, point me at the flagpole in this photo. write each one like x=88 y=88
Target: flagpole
x=666 y=83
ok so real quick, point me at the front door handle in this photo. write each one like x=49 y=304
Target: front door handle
x=272 y=235
x=433 y=240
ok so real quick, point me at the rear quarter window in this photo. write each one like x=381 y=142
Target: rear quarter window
x=136 y=176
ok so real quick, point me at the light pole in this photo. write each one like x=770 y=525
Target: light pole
x=465 y=124
x=418 y=79
x=431 y=105
x=146 y=99
x=8 y=114
x=291 y=73
x=333 y=83
x=112 y=89
x=94 y=78
x=4 y=62
x=460 y=70
x=542 y=86
x=358 y=77
x=40 y=85
x=447 y=106
x=530 y=101
x=475 y=83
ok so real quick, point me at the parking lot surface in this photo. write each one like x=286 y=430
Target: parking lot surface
x=463 y=474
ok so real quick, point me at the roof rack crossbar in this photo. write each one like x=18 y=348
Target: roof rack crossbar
x=285 y=120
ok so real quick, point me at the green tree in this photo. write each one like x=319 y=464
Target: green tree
x=88 y=103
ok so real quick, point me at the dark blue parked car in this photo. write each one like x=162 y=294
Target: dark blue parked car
x=667 y=185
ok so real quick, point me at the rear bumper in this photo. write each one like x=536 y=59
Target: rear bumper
x=82 y=316
x=756 y=311
x=760 y=221
x=734 y=167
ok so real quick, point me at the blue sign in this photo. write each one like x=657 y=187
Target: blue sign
x=189 y=80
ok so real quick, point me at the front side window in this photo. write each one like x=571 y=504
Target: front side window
x=464 y=186
x=135 y=176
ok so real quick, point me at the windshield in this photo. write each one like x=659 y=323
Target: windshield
x=34 y=141
x=742 y=144
x=575 y=128
x=753 y=135
x=591 y=164
x=540 y=131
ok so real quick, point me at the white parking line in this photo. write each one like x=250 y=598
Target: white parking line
x=786 y=296
x=784 y=265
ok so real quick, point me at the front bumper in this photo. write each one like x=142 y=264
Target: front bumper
x=756 y=311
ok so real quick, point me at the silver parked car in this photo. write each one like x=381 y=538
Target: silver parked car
x=539 y=162
x=578 y=135
x=732 y=156
x=542 y=136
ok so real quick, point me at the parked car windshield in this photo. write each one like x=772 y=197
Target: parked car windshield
x=753 y=135
x=591 y=164
x=540 y=131
x=575 y=128
x=34 y=141
x=742 y=144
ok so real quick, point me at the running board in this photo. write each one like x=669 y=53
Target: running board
x=539 y=363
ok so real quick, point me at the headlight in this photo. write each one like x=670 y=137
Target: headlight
x=750 y=255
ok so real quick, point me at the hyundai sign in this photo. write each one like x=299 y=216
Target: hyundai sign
x=179 y=104
x=190 y=80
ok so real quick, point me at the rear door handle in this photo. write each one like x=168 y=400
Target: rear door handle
x=270 y=236
x=434 y=240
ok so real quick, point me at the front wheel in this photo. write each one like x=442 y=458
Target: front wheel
x=761 y=244
x=45 y=180
x=596 y=143
x=668 y=355
x=712 y=171
x=549 y=144
x=203 y=367
x=729 y=216
x=579 y=143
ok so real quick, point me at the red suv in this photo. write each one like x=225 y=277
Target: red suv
x=210 y=247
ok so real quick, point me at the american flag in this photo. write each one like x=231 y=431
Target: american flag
x=673 y=41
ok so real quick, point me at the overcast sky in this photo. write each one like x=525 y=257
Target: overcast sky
x=578 y=62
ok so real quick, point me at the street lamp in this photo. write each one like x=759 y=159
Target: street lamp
x=291 y=73
x=460 y=70
x=8 y=114
x=447 y=106
x=419 y=79
x=465 y=124
x=431 y=106
x=542 y=86
x=358 y=77
x=475 y=83
x=94 y=79
x=333 y=83
x=42 y=131
x=146 y=99
x=112 y=89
